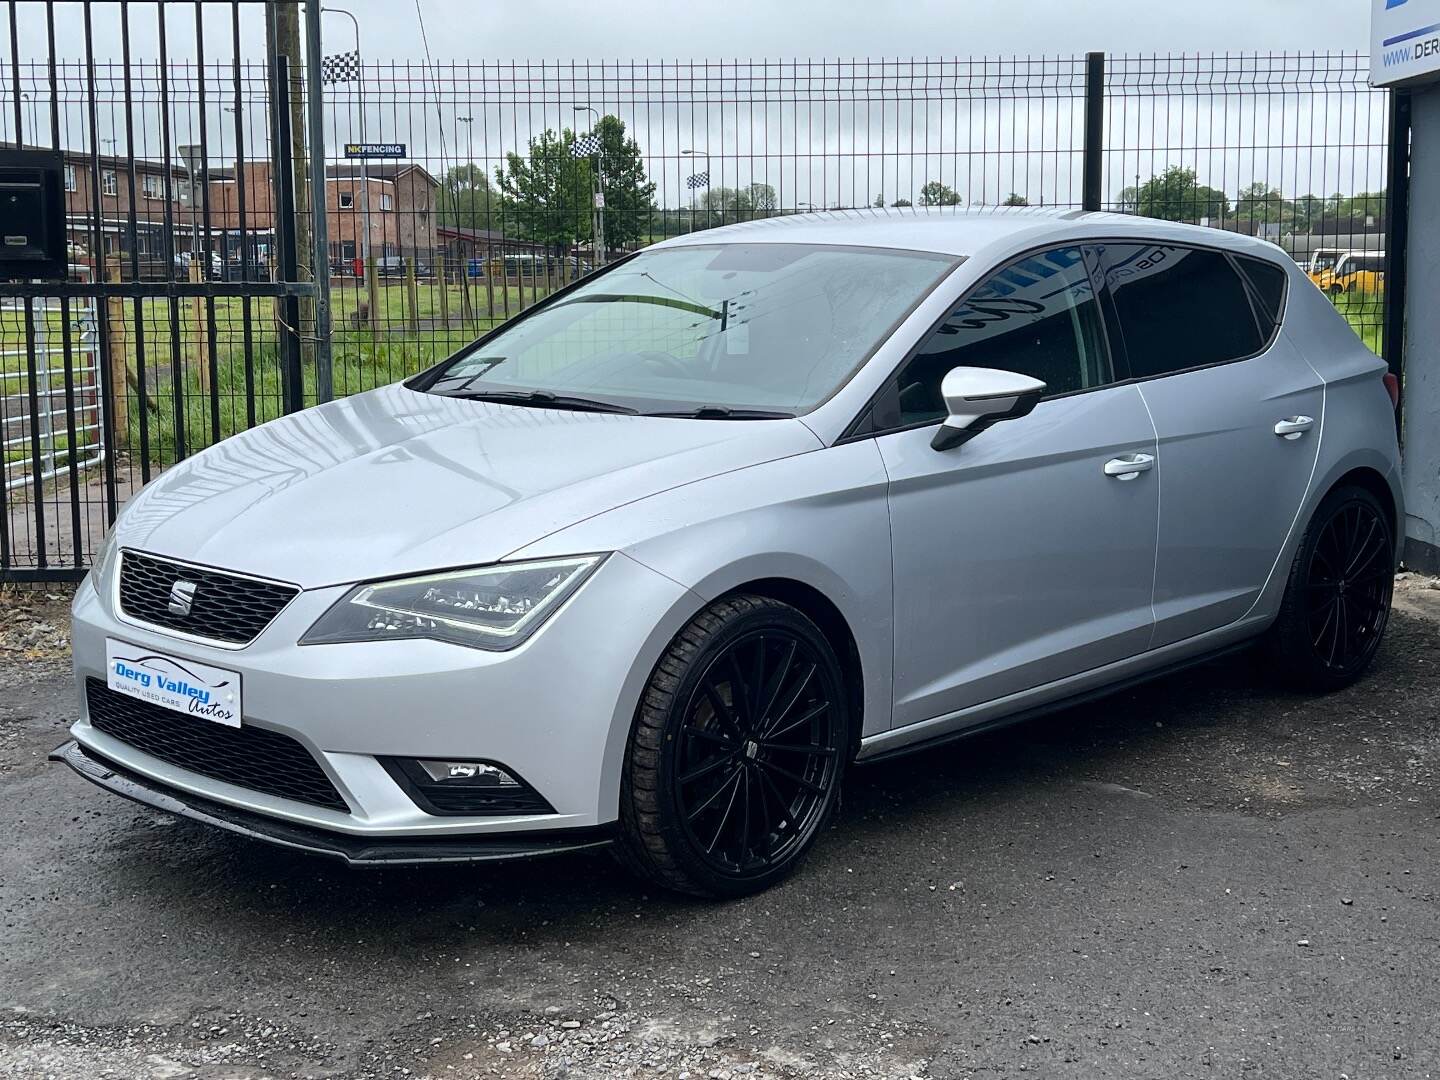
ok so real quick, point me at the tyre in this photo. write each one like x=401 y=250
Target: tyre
x=734 y=762
x=1337 y=598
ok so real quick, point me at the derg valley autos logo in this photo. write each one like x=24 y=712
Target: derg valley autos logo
x=166 y=675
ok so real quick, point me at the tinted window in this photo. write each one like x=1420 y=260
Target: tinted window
x=1179 y=307
x=1037 y=317
x=1268 y=282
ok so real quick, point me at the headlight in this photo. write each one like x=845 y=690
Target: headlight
x=493 y=607
x=100 y=567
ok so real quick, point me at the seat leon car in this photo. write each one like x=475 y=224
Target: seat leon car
x=655 y=563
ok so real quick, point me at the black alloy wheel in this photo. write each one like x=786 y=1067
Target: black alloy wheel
x=1348 y=586
x=738 y=751
x=1337 y=599
x=758 y=752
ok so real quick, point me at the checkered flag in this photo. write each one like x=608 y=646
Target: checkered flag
x=585 y=146
x=342 y=67
x=699 y=180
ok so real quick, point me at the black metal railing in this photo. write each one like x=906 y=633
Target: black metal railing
x=198 y=287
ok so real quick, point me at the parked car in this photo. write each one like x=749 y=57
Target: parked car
x=654 y=565
x=1355 y=271
x=185 y=259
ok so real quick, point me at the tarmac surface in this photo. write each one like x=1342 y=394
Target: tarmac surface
x=1200 y=877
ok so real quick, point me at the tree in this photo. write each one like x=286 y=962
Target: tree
x=902 y=202
x=1015 y=200
x=935 y=193
x=1261 y=204
x=546 y=195
x=629 y=193
x=879 y=202
x=1177 y=195
x=465 y=197
x=762 y=199
x=724 y=205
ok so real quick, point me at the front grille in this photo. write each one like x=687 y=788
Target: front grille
x=248 y=757
x=224 y=607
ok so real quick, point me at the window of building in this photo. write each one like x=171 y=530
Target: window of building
x=1037 y=317
x=150 y=186
x=109 y=185
x=347 y=200
x=69 y=177
x=1179 y=308
x=387 y=201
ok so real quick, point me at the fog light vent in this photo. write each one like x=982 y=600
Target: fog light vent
x=464 y=788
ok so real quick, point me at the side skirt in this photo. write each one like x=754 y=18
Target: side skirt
x=1057 y=705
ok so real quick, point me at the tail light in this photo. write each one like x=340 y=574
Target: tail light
x=1392 y=387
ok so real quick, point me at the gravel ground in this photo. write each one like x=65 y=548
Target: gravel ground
x=1201 y=877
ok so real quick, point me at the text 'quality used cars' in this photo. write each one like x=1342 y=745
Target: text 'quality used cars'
x=653 y=564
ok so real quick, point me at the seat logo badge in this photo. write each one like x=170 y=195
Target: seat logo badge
x=182 y=597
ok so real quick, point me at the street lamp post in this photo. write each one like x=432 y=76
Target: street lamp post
x=469 y=122
x=693 y=189
x=364 y=171
x=597 y=207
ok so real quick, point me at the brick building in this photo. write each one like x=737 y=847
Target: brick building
x=150 y=216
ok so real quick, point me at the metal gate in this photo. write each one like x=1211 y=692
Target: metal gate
x=188 y=309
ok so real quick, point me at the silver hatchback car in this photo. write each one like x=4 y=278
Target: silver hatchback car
x=652 y=564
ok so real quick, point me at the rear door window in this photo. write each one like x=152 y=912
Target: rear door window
x=1179 y=308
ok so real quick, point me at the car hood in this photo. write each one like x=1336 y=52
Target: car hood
x=394 y=481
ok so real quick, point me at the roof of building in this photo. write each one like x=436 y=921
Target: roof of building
x=391 y=170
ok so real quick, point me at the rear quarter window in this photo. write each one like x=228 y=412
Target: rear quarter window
x=1268 y=284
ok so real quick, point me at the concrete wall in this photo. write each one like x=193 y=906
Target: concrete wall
x=1422 y=337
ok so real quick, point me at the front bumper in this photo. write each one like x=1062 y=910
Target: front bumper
x=556 y=711
x=355 y=850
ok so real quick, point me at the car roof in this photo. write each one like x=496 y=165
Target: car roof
x=965 y=232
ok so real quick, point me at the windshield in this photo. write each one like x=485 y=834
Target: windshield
x=736 y=328
x=1323 y=260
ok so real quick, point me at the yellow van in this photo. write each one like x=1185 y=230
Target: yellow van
x=1355 y=271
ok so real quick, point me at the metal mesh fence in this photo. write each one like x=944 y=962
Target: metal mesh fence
x=458 y=195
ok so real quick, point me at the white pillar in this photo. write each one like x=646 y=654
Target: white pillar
x=1422 y=339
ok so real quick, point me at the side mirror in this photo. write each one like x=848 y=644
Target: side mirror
x=976 y=398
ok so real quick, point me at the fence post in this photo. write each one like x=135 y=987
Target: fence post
x=197 y=327
x=292 y=379
x=1397 y=234
x=372 y=293
x=412 y=293
x=324 y=366
x=119 y=405
x=1091 y=195
x=467 y=307
x=444 y=283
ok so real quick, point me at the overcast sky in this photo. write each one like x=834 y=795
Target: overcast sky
x=628 y=29
x=655 y=29
x=807 y=131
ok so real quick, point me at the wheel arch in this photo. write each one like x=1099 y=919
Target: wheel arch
x=825 y=614
x=1373 y=481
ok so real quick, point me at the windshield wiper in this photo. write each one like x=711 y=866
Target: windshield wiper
x=724 y=412
x=544 y=399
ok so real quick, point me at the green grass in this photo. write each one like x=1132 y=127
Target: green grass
x=1366 y=314
x=364 y=355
